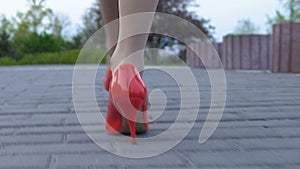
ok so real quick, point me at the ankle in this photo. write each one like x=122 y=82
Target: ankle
x=120 y=58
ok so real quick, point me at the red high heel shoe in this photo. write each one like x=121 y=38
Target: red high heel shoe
x=113 y=119
x=116 y=123
x=128 y=95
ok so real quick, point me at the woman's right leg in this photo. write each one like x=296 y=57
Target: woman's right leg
x=131 y=44
x=110 y=12
x=128 y=91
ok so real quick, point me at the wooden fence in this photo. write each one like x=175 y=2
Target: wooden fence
x=210 y=54
x=249 y=52
x=286 y=48
x=279 y=52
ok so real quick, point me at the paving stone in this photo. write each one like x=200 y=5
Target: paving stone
x=107 y=160
x=24 y=162
x=39 y=127
x=30 y=139
x=245 y=158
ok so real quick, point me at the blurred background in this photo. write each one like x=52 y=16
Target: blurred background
x=53 y=31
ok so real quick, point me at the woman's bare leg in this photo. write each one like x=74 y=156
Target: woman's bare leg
x=130 y=44
x=110 y=12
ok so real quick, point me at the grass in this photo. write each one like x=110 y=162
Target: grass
x=67 y=58
x=71 y=57
x=7 y=61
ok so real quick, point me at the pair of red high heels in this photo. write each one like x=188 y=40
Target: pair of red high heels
x=127 y=102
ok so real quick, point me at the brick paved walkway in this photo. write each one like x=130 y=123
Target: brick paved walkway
x=260 y=127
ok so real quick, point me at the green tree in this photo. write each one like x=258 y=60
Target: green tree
x=40 y=43
x=29 y=24
x=37 y=16
x=77 y=41
x=246 y=26
x=290 y=13
x=91 y=21
x=39 y=30
x=58 y=24
x=182 y=9
x=6 y=29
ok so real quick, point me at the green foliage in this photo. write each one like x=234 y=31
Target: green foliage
x=246 y=26
x=36 y=16
x=182 y=9
x=31 y=27
x=37 y=30
x=58 y=24
x=30 y=23
x=290 y=13
x=7 y=61
x=35 y=36
x=291 y=9
x=92 y=20
x=37 y=43
x=5 y=36
x=67 y=57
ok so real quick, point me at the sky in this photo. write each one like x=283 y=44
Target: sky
x=224 y=14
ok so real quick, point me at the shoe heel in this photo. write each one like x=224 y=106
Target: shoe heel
x=138 y=104
x=132 y=126
x=132 y=115
x=145 y=109
x=145 y=104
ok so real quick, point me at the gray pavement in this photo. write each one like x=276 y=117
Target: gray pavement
x=260 y=127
